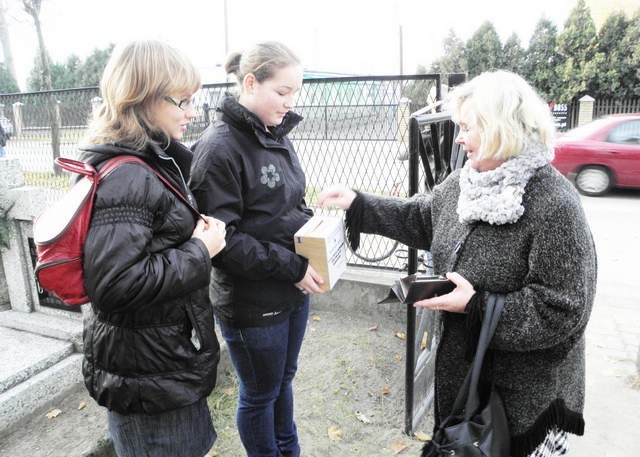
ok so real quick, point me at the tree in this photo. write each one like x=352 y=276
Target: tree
x=483 y=50
x=73 y=73
x=576 y=49
x=90 y=72
x=454 y=60
x=608 y=69
x=513 y=55
x=630 y=58
x=6 y=45
x=541 y=60
x=8 y=83
x=33 y=8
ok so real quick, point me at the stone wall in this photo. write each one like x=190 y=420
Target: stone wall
x=17 y=282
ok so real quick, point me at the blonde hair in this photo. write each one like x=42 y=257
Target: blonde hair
x=262 y=60
x=136 y=77
x=507 y=112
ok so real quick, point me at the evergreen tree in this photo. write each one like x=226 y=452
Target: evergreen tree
x=91 y=69
x=541 y=60
x=8 y=84
x=453 y=60
x=576 y=49
x=513 y=55
x=630 y=59
x=607 y=71
x=483 y=50
x=73 y=73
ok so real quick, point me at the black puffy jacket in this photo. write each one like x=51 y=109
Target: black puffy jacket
x=251 y=179
x=150 y=344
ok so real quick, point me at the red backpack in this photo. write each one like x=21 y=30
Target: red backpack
x=60 y=231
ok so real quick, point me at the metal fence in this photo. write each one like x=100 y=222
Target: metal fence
x=605 y=107
x=355 y=131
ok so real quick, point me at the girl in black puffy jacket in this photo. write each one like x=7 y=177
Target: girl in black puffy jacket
x=150 y=348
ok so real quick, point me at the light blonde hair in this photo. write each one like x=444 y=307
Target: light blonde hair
x=136 y=77
x=262 y=60
x=507 y=112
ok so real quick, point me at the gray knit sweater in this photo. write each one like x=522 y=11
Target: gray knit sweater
x=545 y=263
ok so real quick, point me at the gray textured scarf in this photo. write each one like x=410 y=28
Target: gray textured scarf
x=495 y=196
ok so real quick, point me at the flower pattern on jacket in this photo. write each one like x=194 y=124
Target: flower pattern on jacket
x=269 y=176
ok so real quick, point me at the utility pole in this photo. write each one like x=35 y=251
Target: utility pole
x=401 y=50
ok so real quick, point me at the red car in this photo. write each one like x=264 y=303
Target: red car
x=602 y=154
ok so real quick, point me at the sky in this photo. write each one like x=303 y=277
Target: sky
x=364 y=37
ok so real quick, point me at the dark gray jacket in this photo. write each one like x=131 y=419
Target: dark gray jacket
x=545 y=263
x=150 y=344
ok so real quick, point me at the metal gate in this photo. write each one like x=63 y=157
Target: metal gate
x=433 y=154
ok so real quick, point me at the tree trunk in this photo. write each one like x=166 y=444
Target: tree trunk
x=6 y=43
x=33 y=8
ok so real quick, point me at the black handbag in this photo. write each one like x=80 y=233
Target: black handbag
x=477 y=425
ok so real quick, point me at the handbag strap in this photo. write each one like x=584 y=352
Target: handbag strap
x=468 y=393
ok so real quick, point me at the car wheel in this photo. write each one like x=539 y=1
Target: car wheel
x=593 y=181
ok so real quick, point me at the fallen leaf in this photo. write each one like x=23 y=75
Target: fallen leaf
x=398 y=357
x=228 y=390
x=373 y=328
x=211 y=453
x=397 y=447
x=82 y=405
x=362 y=418
x=421 y=436
x=53 y=413
x=401 y=335
x=334 y=433
x=385 y=391
x=423 y=343
x=317 y=318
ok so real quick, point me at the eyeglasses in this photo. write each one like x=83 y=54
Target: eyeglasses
x=184 y=105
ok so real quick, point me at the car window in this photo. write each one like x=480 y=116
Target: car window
x=625 y=133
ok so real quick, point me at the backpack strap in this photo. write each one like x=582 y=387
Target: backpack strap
x=88 y=170
x=115 y=162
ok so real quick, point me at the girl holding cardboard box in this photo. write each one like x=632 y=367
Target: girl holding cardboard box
x=246 y=172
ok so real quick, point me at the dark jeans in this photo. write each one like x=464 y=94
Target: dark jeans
x=184 y=432
x=265 y=360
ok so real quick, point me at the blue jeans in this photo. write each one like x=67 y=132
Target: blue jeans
x=184 y=432
x=265 y=360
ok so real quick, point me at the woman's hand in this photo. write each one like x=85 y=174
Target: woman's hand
x=455 y=301
x=212 y=233
x=311 y=282
x=337 y=195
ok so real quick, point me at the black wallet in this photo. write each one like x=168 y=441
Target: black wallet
x=413 y=288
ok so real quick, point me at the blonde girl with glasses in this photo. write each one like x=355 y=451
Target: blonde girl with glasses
x=150 y=349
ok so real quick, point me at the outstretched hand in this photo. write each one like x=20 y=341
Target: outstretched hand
x=337 y=195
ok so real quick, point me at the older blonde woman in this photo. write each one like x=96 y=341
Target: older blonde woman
x=508 y=223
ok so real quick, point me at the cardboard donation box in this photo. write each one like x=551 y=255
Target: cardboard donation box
x=321 y=240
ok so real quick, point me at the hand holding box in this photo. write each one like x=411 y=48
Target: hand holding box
x=321 y=240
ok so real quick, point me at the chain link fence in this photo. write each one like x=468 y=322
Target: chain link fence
x=355 y=131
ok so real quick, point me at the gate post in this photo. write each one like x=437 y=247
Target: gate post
x=585 y=110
